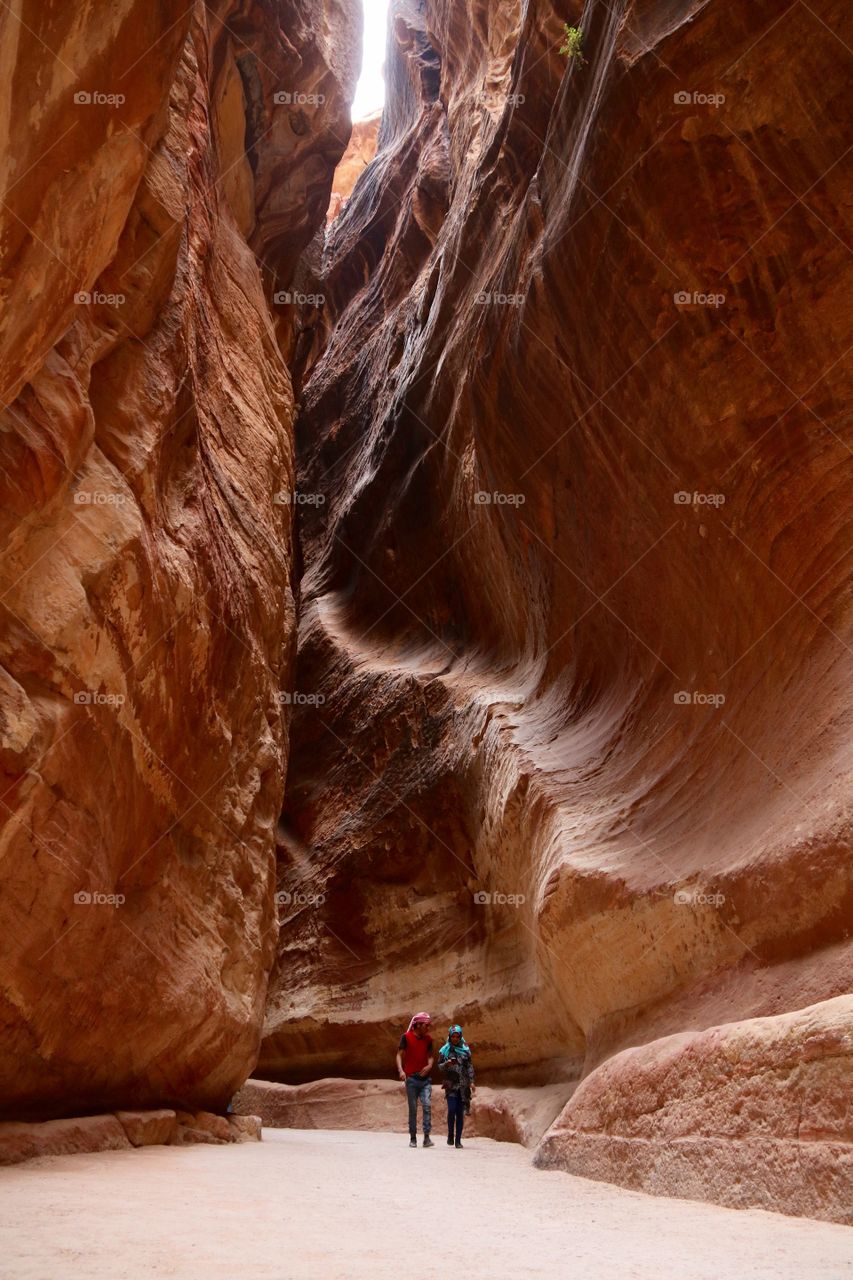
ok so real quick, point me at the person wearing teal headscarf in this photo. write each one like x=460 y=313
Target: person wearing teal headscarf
x=457 y=1068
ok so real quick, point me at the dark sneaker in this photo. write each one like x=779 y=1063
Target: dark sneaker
x=450 y=1142
x=413 y=1142
x=428 y=1142
x=458 y=1146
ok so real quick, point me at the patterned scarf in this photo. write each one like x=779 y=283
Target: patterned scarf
x=457 y=1050
x=418 y=1017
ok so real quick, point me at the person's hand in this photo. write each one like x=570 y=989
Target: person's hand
x=403 y=1076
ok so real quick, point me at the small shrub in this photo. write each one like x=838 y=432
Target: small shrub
x=572 y=46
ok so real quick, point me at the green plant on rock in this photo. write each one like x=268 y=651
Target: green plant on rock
x=572 y=46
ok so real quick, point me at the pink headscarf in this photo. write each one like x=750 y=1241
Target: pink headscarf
x=418 y=1017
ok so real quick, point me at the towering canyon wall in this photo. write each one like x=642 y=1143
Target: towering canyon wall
x=356 y=158
x=569 y=720
x=571 y=739
x=164 y=167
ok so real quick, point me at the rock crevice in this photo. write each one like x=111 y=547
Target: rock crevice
x=572 y=757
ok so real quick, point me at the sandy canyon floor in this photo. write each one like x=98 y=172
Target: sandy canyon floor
x=315 y=1205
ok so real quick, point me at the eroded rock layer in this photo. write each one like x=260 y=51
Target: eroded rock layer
x=571 y=740
x=356 y=158
x=507 y=1115
x=755 y=1113
x=164 y=167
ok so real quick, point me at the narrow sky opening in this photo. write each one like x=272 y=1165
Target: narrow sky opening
x=370 y=90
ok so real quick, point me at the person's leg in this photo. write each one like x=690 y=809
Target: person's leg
x=452 y=1101
x=426 y=1103
x=412 y=1098
x=460 y=1117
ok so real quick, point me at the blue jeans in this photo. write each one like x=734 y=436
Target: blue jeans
x=419 y=1087
x=455 y=1116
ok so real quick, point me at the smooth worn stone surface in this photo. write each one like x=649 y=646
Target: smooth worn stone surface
x=246 y=1128
x=160 y=186
x=445 y=606
x=572 y=744
x=510 y=1115
x=23 y=1141
x=753 y=1114
x=149 y=1128
x=218 y=1126
x=29 y=1140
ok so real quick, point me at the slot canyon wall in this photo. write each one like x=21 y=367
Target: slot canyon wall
x=165 y=165
x=356 y=158
x=507 y=523
x=571 y=739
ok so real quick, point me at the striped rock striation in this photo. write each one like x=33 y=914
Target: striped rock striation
x=571 y=738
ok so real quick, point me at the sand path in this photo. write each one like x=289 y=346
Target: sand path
x=315 y=1205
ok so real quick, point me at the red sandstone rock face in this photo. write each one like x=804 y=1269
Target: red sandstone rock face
x=754 y=1114
x=78 y=1135
x=160 y=190
x=575 y=475
x=507 y=1115
x=356 y=158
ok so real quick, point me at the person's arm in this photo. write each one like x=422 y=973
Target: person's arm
x=449 y=1069
x=400 y=1072
x=428 y=1068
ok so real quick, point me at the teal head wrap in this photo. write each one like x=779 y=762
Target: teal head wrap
x=457 y=1049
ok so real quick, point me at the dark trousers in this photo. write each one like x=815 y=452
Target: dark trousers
x=455 y=1116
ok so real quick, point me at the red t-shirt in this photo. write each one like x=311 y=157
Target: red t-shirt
x=415 y=1053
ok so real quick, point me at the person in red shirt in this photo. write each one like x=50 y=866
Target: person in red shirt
x=414 y=1063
